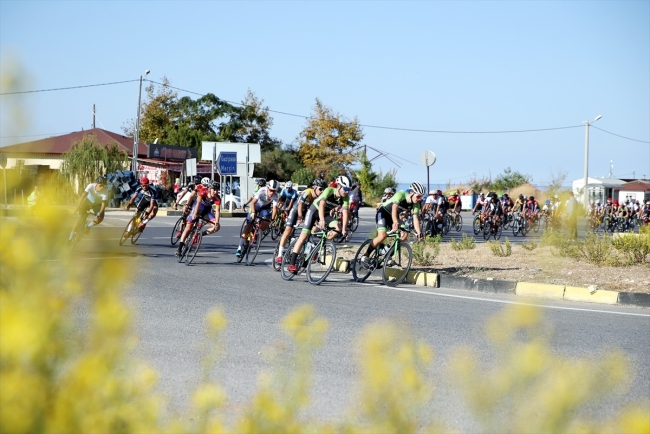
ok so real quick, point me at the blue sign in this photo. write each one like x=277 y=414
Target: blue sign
x=227 y=163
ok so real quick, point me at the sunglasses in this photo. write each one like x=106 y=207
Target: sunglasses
x=346 y=189
x=419 y=196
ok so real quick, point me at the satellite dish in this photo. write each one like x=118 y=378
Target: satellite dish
x=428 y=158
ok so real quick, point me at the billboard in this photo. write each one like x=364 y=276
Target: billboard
x=171 y=153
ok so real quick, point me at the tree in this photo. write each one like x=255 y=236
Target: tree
x=365 y=176
x=278 y=164
x=87 y=159
x=303 y=176
x=253 y=123
x=157 y=113
x=328 y=139
x=509 y=180
x=557 y=179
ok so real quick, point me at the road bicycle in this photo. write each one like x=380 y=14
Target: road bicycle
x=478 y=224
x=277 y=225
x=316 y=257
x=492 y=229
x=179 y=227
x=253 y=242
x=80 y=228
x=393 y=256
x=192 y=243
x=457 y=222
x=519 y=225
x=132 y=229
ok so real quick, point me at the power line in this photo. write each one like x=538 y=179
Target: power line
x=617 y=135
x=68 y=88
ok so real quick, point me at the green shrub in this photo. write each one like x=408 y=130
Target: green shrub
x=635 y=248
x=466 y=243
x=529 y=245
x=425 y=252
x=498 y=248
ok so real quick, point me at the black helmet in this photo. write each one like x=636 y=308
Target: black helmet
x=531 y=198
x=261 y=182
x=101 y=180
x=319 y=182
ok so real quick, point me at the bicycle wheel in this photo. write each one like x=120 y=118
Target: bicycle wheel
x=535 y=225
x=254 y=246
x=276 y=252
x=487 y=230
x=185 y=248
x=275 y=229
x=446 y=224
x=427 y=228
x=195 y=243
x=177 y=231
x=286 y=258
x=361 y=271
x=320 y=262
x=397 y=264
x=476 y=225
x=496 y=233
x=458 y=223
x=515 y=227
x=354 y=224
x=136 y=234
x=243 y=225
x=127 y=231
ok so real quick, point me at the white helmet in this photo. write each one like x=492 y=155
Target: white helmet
x=272 y=185
x=289 y=184
x=206 y=181
x=417 y=188
x=388 y=190
x=343 y=181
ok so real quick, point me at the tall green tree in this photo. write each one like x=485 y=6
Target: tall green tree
x=328 y=140
x=365 y=176
x=87 y=159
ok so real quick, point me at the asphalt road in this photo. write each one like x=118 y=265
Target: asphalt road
x=171 y=299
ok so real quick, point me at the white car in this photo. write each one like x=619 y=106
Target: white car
x=229 y=199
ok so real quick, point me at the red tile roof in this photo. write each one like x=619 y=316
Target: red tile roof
x=62 y=144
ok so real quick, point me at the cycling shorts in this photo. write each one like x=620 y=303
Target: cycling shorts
x=86 y=205
x=292 y=219
x=310 y=219
x=262 y=212
x=384 y=219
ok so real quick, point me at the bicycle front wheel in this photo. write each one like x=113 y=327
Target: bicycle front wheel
x=458 y=223
x=195 y=243
x=476 y=225
x=275 y=230
x=487 y=230
x=361 y=270
x=320 y=262
x=354 y=224
x=136 y=235
x=286 y=261
x=254 y=247
x=127 y=231
x=397 y=264
x=276 y=253
x=177 y=231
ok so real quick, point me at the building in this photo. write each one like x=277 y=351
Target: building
x=600 y=189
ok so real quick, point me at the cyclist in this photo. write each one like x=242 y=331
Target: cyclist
x=480 y=205
x=388 y=193
x=507 y=203
x=388 y=215
x=145 y=195
x=296 y=215
x=645 y=213
x=494 y=208
x=532 y=208
x=202 y=209
x=261 y=183
x=93 y=197
x=356 y=199
x=439 y=208
x=287 y=197
x=329 y=199
x=623 y=213
x=266 y=198
x=455 y=204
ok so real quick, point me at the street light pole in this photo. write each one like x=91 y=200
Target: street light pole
x=585 y=194
x=136 y=136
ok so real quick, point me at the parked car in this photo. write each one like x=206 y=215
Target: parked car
x=229 y=199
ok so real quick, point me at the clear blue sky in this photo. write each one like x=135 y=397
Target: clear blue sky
x=444 y=66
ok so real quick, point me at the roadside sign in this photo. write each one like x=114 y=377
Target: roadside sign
x=3 y=160
x=190 y=167
x=227 y=163
x=428 y=158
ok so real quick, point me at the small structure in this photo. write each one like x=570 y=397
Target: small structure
x=598 y=189
x=633 y=190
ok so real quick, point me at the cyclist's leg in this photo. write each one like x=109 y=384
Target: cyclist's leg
x=291 y=222
x=186 y=232
x=384 y=220
x=310 y=221
x=244 y=234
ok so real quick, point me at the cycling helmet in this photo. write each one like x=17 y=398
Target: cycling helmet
x=289 y=184
x=388 y=190
x=343 y=181
x=144 y=181
x=261 y=182
x=531 y=198
x=272 y=185
x=521 y=196
x=439 y=192
x=197 y=179
x=616 y=202
x=320 y=183
x=648 y=202
x=548 y=202
x=101 y=180
x=417 y=188
x=506 y=195
x=609 y=199
x=206 y=181
x=432 y=192
x=214 y=185
x=482 y=194
x=500 y=196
